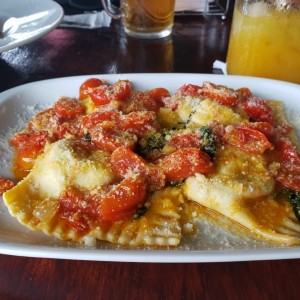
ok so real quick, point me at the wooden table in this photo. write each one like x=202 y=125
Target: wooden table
x=194 y=45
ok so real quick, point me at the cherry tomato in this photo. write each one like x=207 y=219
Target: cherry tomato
x=266 y=128
x=95 y=118
x=258 y=110
x=104 y=94
x=26 y=158
x=183 y=163
x=5 y=185
x=139 y=123
x=68 y=108
x=139 y=101
x=190 y=90
x=46 y=120
x=158 y=94
x=71 y=127
x=248 y=140
x=100 y=95
x=289 y=158
x=155 y=178
x=111 y=138
x=121 y=90
x=125 y=161
x=186 y=140
x=75 y=200
x=244 y=93
x=283 y=130
x=288 y=155
x=290 y=181
x=78 y=209
x=87 y=86
x=220 y=93
x=121 y=201
x=28 y=147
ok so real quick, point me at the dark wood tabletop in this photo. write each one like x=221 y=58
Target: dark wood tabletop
x=196 y=42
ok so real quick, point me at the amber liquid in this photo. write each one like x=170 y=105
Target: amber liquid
x=265 y=44
x=148 y=15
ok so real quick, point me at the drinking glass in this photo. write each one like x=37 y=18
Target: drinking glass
x=144 y=18
x=265 y=39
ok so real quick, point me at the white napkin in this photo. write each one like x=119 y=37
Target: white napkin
x=220 y=65
x=89 y=20
x=191 y=5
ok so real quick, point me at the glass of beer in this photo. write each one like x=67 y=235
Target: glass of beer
x=144 y=18
x=265 y=39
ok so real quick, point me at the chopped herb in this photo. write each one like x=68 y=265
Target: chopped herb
x=294 y=199
x=175 y=183
x=208 y=141
x=87 y=137
x=140 y=212
x=152 y=142
x=180 y=125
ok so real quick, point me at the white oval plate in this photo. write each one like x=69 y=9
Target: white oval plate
x=27 y=20
x=212 y=244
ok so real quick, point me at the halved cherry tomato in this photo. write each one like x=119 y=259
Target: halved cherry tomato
x=258 y=110
x=141 y=101
x=74 y=200
x=220 y=93
x=71 y=127
x=288 y=155
x=125 y=161
x=71 y=200
x=111 y=138
x=121 y=201
x=68 y=108
x=155 y=178
x=104 y=94
x=266 y=128
x=186 y=140
x=76 y=210
x=190 y=90
x=244 y=93
x=93 y=119
x=121 y=90
x=247 y=139
x=139 y=123
x=158 y=94
x=26 y=158
x=22 y=140
x=183 y=163
x=100 y=95
x=87 y=85
x=46 y=120
x=289 y=158
x=28 y=147
x=5 y=185
x=290 y=181
x=283 y=130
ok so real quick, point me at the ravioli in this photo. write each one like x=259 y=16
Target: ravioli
x=242 y=189
x=35 y=200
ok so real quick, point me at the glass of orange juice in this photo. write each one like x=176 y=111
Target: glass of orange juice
x=265 y=39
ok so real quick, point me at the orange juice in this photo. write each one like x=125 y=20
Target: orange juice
x=265 y=42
